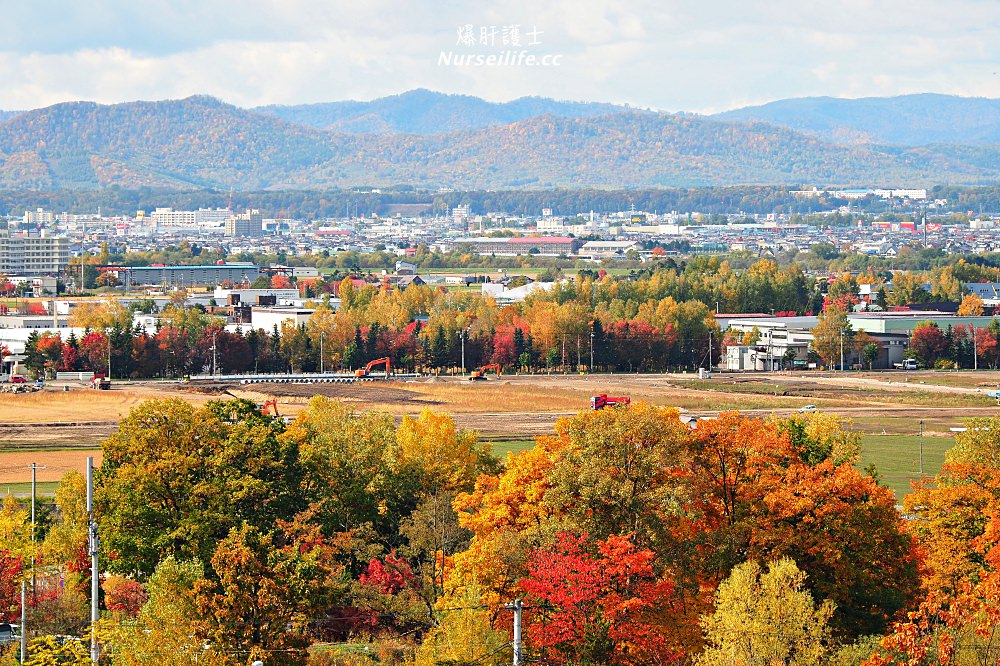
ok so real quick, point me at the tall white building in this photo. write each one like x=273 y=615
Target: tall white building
x=39 y=216
x=168 y=217
x=32 y=255
x=460 y=213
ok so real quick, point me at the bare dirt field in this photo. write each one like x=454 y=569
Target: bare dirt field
x=511 y=407
x=14 y=464
x=56 y=405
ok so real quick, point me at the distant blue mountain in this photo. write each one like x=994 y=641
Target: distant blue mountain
x=907 y=120
x=426 y=112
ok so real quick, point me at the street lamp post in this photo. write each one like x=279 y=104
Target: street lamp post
x=461 y=334
x=591 y=351
x=321 y=366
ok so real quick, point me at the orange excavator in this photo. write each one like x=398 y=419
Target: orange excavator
x=602 y=401
x=270 y=407
x=480 y=374
x=367 y=370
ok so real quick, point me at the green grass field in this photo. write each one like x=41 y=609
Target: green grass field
x=896 y=457
x=42 y=489
x=502 y=447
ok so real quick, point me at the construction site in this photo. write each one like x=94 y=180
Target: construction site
x=62 y=423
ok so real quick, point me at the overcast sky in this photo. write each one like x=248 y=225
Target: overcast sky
x=700 y=55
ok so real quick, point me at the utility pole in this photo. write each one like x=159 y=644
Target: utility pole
x=215 y=365
x=34 y=476
x=710 y=351
x=24 y=619
x=321 y=352
x=517 y=607
x=24 y=583
x=921 y=447
x=578 y=352
x=841 y=349
x=975 y=349
x=109 y=354
x=591 y=367
x=95 y=575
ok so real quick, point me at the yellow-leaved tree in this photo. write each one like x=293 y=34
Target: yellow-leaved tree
x=446 y=458
x=971 y=306
x=101 y=315
x=765 y=618
x=464 y=635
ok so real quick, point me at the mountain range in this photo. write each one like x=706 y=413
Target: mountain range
x=425 y=112
x=428 y=139
x=906 y=120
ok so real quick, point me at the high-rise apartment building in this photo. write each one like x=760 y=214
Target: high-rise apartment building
x=250 y=223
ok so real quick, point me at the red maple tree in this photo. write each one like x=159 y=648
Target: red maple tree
x=604 y=607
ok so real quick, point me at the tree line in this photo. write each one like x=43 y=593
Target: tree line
x=332 y=203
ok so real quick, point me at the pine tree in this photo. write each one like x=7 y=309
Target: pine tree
x=599 y=343
x=359 y=349
x=371 y=341
x=881 y=299
x=439 y=349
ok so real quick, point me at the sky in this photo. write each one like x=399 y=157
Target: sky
x=673 y=55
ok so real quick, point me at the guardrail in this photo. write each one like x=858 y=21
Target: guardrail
x=303 y=378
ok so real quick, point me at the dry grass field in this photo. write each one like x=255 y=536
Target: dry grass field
x=53 y=405
x=513 y=408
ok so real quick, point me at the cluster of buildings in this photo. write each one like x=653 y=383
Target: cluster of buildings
x=36 y=248
x=785 y=342
x=41 y=242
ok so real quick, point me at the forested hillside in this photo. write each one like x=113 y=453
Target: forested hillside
x=427 y=112
x=202 y=142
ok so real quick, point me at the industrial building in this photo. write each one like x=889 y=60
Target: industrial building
x=784 y=342
x=542 y=245
x=267 y=318
x=189 y=276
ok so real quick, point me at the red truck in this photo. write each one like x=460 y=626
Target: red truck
x=602 y=401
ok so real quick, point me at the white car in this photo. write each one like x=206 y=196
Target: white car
x=807 y=408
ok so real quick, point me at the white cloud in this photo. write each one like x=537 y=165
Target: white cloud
x=670 y=55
